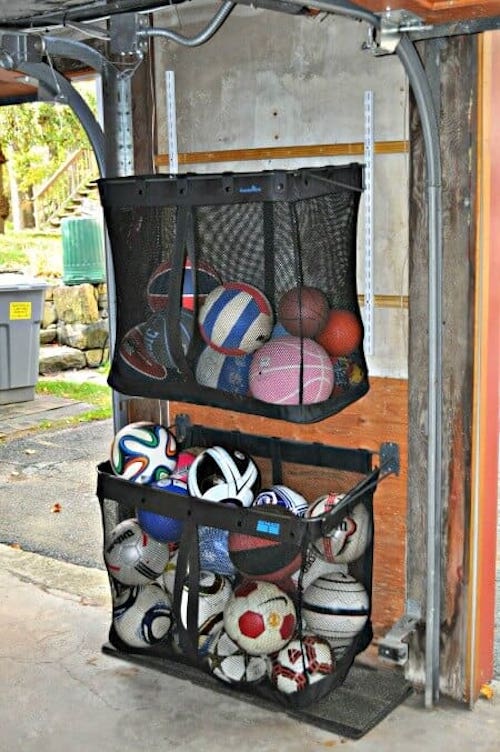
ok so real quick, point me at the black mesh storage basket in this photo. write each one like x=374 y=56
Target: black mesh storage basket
x=239 y=290
x=267 y=600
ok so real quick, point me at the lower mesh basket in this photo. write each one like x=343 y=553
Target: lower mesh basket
x=270 y=601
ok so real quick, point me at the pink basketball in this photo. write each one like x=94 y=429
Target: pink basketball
x=278 y=366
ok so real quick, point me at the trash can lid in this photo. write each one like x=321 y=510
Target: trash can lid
x=15 y=281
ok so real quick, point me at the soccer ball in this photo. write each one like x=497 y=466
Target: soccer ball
x=143 y=452
x=142 y=616
x=227 y=661
x=301 y=663
x=349 y=540
x=213 y=594
x=260 y=617
x=282 y=496
x=219 y=474
x=133 y=557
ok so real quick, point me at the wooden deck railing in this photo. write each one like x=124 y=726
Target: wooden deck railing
x=54 y=197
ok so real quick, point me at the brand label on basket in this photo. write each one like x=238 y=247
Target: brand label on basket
x=250 y=189
x=19 y=310
x=264 y=526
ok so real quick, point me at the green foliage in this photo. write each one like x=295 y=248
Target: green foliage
x=97 y=396
x=36 y=252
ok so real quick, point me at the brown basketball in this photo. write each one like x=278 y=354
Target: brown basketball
x=303 y=311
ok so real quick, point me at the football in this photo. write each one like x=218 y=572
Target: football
x=143 y=452
x=218 y=474
x=260 y=617
x=142 y=616
x=228 y=662
x=350 y=539
x=132 y=557
x=301 y=663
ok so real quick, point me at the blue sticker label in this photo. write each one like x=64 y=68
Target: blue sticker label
x=250 y=189
x=263 y=526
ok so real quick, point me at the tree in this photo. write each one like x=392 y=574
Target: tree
x=37 y=138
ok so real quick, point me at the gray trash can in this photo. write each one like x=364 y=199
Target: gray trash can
x=21 y=311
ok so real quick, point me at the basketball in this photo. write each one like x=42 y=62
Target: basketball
x=291 y=371
x=336 y=606
x=194 y=287
x=303 y=311
x=235 y=318
x=263 y=558
x=226 y=372
x=157 y=338
x=342 y=333
x=350 y=538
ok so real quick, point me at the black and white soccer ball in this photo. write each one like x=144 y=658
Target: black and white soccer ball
x=301 y=663
x=132 y=556
x=229 y=662
x=219 y=474
x=142 y=616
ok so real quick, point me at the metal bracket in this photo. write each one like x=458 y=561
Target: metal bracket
x=393 y=648
x=124 y=37
x=393 y=23
x=389 y=458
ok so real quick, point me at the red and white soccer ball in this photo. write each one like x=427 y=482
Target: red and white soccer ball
x=350 y=538
x=301 y=663
x=260 y=617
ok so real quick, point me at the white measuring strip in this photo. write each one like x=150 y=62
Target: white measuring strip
x=368 y=198
x=173 y=156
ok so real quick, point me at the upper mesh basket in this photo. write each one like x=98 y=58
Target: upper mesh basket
x=239 y=290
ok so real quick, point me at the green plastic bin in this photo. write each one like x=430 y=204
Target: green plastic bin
x=21 y=311
x=83 y=251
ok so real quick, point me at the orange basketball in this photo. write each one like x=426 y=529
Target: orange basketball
x=341 y=334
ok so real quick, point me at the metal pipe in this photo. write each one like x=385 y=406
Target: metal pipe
x=74 y=50
x=203 y=36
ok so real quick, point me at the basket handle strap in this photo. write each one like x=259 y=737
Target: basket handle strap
x=187 y=573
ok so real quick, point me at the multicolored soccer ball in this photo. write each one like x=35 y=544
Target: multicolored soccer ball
x=132 y=556
x=142 y=616
x=260 y=617
x=228 y=662
x=218 y=474
x=350 y=538
x=235 y=318
x=282 y=496
x=301 y=663
x=143 y=452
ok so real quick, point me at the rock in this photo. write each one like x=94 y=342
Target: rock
x=96 y=358
x=49 y=314
x=54 y=358
x=84 y=336
x=47 y=336
x=76 y=303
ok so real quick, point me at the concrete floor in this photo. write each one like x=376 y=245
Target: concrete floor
x=59 y=692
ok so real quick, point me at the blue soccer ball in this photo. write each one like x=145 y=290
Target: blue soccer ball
x=159 y=526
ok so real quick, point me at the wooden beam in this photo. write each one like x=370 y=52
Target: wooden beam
x=438 y=11
x=451 y=65
x=284 y=152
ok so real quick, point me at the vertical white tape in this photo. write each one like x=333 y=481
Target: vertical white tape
x=173 y=156
x=368 y=204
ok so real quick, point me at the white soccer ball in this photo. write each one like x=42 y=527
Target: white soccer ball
x=282 y=496
x=260 y=617
x=228 y=662
x=143 y=452
x=301 y=663
x=132 y=557
x=350 y=538
x=218 y=474
x=312 y=567
x=142 y=616
x=213 y=594
x=336 y=606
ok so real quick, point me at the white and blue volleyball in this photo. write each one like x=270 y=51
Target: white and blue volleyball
x=235 y=318
x=226 y=372
x=282 y=496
